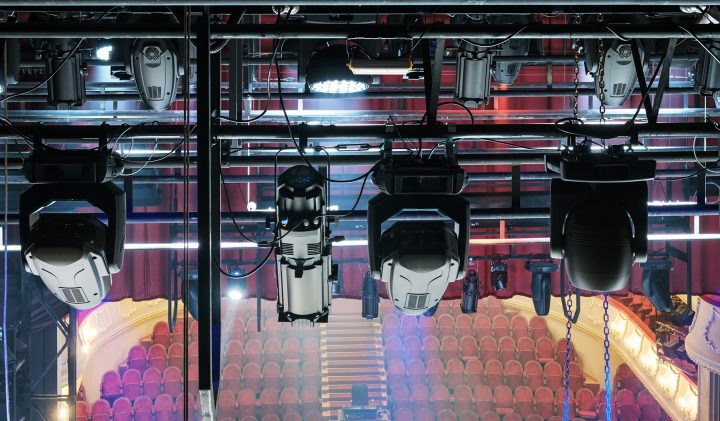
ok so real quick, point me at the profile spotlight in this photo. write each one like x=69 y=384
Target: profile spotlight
x=656 y=282
x=470 y=293
x=418 y=259
x=540 y=284
x=328 y=72
x=499 y=274
x=599 y=215
x=305 y=272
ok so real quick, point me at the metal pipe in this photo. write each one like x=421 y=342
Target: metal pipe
x=373 y=94
x=361 y=31
x=64 y=134
x=395 y=3
x=260 y=217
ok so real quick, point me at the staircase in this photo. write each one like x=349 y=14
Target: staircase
x=351 y=353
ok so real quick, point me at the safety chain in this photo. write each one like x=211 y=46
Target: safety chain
x=601 y=72
x=566 y=374
x=606 y=330
x=575 y=45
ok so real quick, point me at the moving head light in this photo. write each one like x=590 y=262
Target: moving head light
x=598 y=215
x=305 y=271
x=656 y=282
x=74 y=254
x=541 y=272
x=418 y=259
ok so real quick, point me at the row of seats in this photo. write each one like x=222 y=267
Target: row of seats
x=474 y=373
x=467 y=348
x=501 y=399
x=480 y=325
x=159 y=357
x=272 y=350
x=251 y=376
x=425 y=414
x=232 y=406
x=164 y=408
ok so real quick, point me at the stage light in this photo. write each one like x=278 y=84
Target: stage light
x=103 y=53
x=473 y=73
x=305 y=272
x=499 y=274
x=75 y=255
x=251 y=206
x=328 y=72
x=418 y=259
x=540 y=284
x=656 y=282
x=620 y=75
x=707 y=80
x=234 y=294
x=371 y=67
x=155 y=65
x=471 y=293
x=370 y=298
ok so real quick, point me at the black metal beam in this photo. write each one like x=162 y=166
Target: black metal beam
x=204 y=213
x=170 y=134
x=362 y=31
x=553 y=6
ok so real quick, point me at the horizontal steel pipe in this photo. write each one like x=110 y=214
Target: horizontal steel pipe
x=338 y=3
x=62 y=134
x=361 y=31
x=475 y=214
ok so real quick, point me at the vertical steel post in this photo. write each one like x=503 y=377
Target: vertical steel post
x=204 y=208
x=72 y=363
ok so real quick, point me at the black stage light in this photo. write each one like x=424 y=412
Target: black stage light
x=236 y=288
x=707 y=79
x=370 y=298
x=541 y=281
x=471 y=293
x=328 y=72
x=499 y=274
x=656 y=282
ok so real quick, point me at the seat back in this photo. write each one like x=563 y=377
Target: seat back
x=246 y=403
x=503 y=399
x=164 y=408
x=483 y=399
x=161 y=334
x=553 y=374
x=463 y=398
x=513 y=374
x=474 y=373
x=440 y=398
x=524 y=405
x=533 y=374
x=494 y=373
x=501 y=326
x=157 y=356
x=122 y=409
x=482 y=326
x=544 y=402
x=143 y=408
x=111 y=385
x=455 y=373
x=226 y=406
x=271 y=376
x=488 y=348
x=507 y=349
x=137 y=358
x=131 y=384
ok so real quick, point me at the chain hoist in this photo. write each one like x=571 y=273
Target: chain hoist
x=601 y=72
x=566 y=374
x=575 y=45
x=606 y=344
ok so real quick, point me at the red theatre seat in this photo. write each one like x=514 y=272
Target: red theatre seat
x=507 y=349
x=525 y=349
x=427 y=327
x=152 y=383
x=513 y=374
x=488 y=348
x=161 y=334
x=560 y=402
x=413 y=349
x=401 y=396
x=409 y=326
x=82 y=411
x=553 y=374
x=272 y=351
x=234 y=353
x=137 y=358
x=289 y=402
x=253 y=352
x=494 y=307
x=626 y=379
x=494 y=373
x=178 y=331
x=291 y=375
x=468 y=348
x=403 y=414
x=627 y=407
x=269 y=402
x=230 y=378
x=157 y=357
x=193 y=380
x=310 y=400
x=463 y=325
x=272 y=376
x=176 y=355
x=111 y=386
x=519 y=327
x=424 y=414
x=533 y=374
x=420 y=396
x=490 y=416
x=180 y=406
x=512 y=417
x=503 y=398
x=193 y=353
x=226 y=406
x=246 y=403
x=435 y=373
x=440 y=398
x=164 y=408
x=143 y=408
x=534 y=417
x=538 y=327
x=101 y=410
x=544 y=402
x=292 y=350
x=449 y=348
x=482 y=326
x=455 y=373
x=391 y=325
x=394 y=348
x=310 y=376
x=483 y=399
x=501 y=326
x=431 y=348
x=415 y=372
x=585 y=404
x=463 y=398
x=649 y=407
x=131 y=384
x=577 y=380
x=447 y=415
x=544 y=351
x=251 y=377
x=474 y=373
x=122 y=410
x=524 y=404
x=468 y=416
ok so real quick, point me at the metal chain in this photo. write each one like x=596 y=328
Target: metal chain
x=566 y=374
x=606 y=330
x=575 y=45
x=601 y=72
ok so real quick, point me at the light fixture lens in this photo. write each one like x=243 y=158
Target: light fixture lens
x=338 y=87
x=103 y=53
x=234 y=294
x=251 y=206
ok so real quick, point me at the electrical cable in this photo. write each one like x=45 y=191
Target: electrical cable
x=273 y=59
x=186 y=212
x=47 y=79
x=232 y=213
x=702 y=44
x=498 y=43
